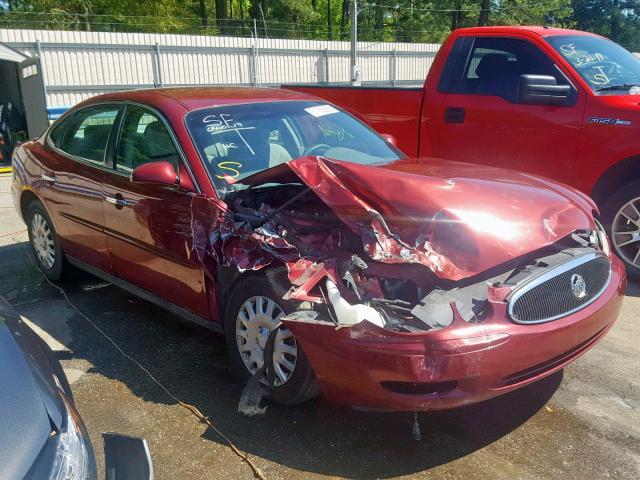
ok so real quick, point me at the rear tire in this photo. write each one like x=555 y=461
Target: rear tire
x=254 y=308
x=44 y=241
x=621 y=215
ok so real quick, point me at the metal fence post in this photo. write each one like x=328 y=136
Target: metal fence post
x=326 y=65
x=394 y=60
x=157 y=74
x=355 y=68
x=254 y=55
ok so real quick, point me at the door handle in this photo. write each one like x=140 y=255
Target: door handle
x=454 y=115
x=118 y=201
x=49 y=178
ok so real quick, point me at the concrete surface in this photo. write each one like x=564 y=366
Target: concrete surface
x=583 y=423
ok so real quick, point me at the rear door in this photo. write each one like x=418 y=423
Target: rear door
x=482 y=120
x=148 y=227
x=73 y=167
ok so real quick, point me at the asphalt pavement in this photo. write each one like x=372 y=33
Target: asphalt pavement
x=581 y=423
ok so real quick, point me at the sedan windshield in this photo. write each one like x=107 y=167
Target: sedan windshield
x=239 y=140
x=604 y=65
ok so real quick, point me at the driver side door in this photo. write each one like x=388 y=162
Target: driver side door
x=148 y=227
x=482 y=122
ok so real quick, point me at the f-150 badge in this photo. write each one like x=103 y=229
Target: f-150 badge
x=609 y=121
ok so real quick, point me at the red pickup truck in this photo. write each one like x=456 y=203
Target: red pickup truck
x=559 y=103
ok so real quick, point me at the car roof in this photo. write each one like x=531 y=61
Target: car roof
x=536 y=30
x=198 y=97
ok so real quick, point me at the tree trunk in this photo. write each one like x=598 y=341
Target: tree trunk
x=86 y=26
x=345 y=18
x=329 y=21
x=379 y=26
x=314 y=5
x=456 y=15
x=221 y=15
x=616 y=21
x=203 y=13
x=263 y=15
x=483 y=18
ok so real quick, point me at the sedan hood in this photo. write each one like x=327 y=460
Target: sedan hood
x=457 y=219
x=25 y=424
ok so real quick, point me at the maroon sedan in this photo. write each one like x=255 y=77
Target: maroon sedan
x=293 y=228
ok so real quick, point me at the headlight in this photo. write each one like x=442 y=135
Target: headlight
x=603 y=240
x=73 y=452
x=67 y=454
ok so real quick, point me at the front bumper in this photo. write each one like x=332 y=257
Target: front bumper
x=369 y=366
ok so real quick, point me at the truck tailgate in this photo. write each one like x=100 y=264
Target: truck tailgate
x=395 y=111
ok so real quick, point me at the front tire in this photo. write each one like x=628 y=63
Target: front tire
x=45 y=244
x=621 y=214
x=254 y=309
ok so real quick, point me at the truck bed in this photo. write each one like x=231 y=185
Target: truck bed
x=395 y=111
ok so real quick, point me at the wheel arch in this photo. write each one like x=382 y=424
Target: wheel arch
x=621 y=173
x=26 y=198
x=227 y=278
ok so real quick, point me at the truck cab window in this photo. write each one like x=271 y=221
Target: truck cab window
x=494 y=66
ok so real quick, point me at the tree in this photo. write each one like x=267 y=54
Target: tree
x=483 y=18
x=616 y=19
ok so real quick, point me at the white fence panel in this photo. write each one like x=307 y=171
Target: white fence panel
x=78 y=65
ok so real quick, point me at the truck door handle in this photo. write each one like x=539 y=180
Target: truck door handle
x=49 y=178
x=454 y=115
x=118 y=201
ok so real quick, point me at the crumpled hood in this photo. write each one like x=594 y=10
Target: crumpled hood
x=457 y=219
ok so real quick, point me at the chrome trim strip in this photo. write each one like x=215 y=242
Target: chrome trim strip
x=548 y=275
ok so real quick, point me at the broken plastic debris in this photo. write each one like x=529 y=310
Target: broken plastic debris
x=256 y=390
x=348 y=314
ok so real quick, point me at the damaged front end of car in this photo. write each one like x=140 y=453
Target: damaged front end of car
x=420 y=287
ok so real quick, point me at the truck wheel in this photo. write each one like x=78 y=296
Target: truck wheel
x=621 y=214
x=44 y=241
x=254 y=309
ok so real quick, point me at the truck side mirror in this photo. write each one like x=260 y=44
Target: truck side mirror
x=542 y=90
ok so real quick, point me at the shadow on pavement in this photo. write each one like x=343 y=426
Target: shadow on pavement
x=633 y=289
x=192 y=363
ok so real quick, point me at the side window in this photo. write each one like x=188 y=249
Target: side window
x=57 y=133
x=144 y=139
x=493 y=67
x=86 y=133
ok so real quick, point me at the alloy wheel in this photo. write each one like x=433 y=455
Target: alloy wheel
x=625 y=232
x=42 y=240
x=256 y=318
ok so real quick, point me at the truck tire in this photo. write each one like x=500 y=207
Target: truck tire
x=621 y=214
x=254 y=308
x=44 y=241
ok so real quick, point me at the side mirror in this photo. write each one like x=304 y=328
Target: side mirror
x=542 y=90
x=156 y=173
x=390 y=139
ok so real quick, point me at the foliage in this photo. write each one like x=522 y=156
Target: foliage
x=386 y=20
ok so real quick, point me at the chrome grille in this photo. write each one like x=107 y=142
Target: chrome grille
x=561 y=290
